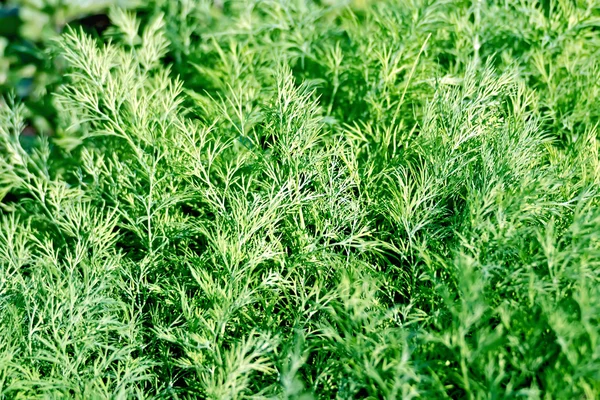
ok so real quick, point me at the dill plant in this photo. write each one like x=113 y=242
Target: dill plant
x=303 y=199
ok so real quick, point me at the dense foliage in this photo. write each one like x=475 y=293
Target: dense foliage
x=308 y=199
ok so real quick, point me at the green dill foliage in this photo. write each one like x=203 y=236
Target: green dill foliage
x=294 y=199
x=27 y=28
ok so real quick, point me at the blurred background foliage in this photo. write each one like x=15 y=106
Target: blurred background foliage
x=551 y=43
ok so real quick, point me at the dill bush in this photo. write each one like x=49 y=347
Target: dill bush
x=26 y=29
x=309 y=199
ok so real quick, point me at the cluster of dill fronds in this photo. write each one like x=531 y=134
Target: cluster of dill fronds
x=310 y=199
